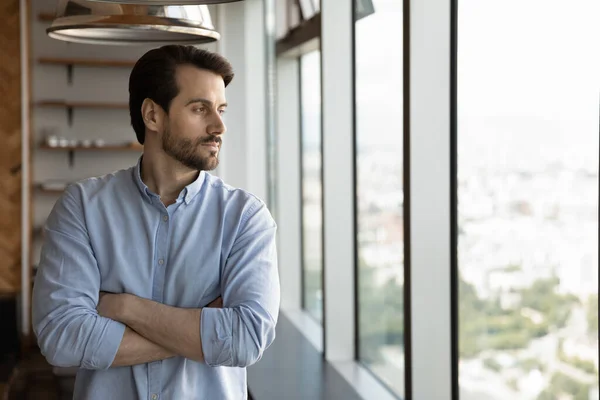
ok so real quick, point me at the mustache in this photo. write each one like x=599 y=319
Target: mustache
x=211 y=139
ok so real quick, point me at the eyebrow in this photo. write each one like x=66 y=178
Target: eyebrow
x=204 y=101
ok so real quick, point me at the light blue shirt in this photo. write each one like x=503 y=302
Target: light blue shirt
x=113 y=234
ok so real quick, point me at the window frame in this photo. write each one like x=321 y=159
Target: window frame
x=301 y=167
x=454 y=317
x=406 y=204
x=431 y=213
x=298 y=41
x=427 y=187
x=454 y=211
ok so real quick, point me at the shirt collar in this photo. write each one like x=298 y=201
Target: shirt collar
x=187 y=194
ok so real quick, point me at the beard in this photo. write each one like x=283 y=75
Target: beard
x=186 y=151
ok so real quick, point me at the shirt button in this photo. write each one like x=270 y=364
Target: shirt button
x=161 y=261
x=165 y=218
x=154 y=396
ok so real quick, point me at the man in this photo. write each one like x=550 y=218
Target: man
x=160 y=281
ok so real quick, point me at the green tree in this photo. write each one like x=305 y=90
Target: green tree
x=543 y=297
x=313 y=283
x=584 y=365
x=484 y=324
x=513 y=384
x=530 y=364
x=561 y=384
x=381 y=314
x=492 y=364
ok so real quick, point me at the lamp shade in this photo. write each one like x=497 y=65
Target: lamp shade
x=166 y=2
x=85 y=21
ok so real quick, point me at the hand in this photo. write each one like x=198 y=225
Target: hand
x=111 y=305
x=216 y=303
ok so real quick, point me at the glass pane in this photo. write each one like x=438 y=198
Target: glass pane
x=294 y=16
x=307 y=8
x=317 y=5
x=528 y=100
x=380 y=219
x=312 y=209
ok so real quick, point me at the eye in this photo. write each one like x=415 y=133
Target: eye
x=221 y=112
x=200 y=109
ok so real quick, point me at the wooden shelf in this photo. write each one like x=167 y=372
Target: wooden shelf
x=94 y=148
x=82 y=104
x=49 y=191
x=46 y=17
x=110 y=147
x=86 y=62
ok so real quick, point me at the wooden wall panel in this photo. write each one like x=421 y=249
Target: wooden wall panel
x=10 y=148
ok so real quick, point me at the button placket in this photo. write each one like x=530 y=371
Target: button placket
x=161 y=257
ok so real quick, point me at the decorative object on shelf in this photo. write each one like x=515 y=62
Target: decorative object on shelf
x=53 y=186
x=90 y=22
x=54 y=142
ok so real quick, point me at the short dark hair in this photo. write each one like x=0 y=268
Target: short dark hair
x=153 y=77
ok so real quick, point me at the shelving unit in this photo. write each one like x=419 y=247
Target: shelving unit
x=81 y=104
x=41 y=189
x=88 y=103
x=115 y=147
x=69 y=106
x=72 y=149
x=103 y=108
x=84 y=62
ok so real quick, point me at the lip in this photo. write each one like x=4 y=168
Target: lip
x=213 y=145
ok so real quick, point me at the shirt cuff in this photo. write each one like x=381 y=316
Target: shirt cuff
x=103 y=344
x=216 y=336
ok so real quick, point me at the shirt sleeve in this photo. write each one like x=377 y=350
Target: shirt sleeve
x=65 y=295
x=238 y=334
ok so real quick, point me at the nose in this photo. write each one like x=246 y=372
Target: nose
x=217 y=126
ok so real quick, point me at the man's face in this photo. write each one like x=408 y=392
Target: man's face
x=194 y=127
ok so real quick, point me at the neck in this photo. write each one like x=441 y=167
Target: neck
x=163 y=175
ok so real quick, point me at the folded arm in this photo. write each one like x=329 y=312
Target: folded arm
x=235 y=335
x=69 y=330
x=136 y=349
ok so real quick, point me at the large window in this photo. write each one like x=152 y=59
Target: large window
x=379 y=191
x=309 y=8
x=528 y=87
x=312 y=185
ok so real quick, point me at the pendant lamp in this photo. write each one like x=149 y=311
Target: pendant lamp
x=92 y=22
x=166 y=2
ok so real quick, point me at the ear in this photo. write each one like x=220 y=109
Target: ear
x=153 y=115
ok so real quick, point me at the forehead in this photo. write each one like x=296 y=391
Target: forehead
x=193 y=81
